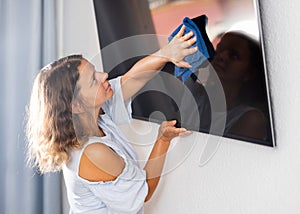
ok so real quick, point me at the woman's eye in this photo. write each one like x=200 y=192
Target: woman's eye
x=234 y=55
x=94 y=81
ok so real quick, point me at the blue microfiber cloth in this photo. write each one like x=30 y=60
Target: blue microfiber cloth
x=205 y=48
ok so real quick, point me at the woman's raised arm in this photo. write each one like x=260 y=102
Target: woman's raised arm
x=145 y=69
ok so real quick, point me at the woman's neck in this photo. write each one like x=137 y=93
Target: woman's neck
x=231 y=91
x=89 y=122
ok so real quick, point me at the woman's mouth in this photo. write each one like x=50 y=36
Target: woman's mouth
x=108 y=88
x=218 y=67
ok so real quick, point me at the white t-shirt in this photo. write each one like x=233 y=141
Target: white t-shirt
x=126 y=194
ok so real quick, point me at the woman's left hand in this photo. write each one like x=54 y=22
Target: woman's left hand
x=180 y=47
x=167 y=131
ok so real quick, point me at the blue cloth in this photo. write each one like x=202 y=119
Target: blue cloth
x=200 y=56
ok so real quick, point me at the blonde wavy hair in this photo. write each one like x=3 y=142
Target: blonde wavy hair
x=50 y=126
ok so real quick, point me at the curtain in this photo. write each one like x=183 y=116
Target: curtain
x=27 y=43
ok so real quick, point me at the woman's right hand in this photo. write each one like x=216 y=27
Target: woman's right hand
x=179 y=47
x=167 y=131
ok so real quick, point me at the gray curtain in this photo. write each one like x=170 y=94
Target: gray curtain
x=27 y=43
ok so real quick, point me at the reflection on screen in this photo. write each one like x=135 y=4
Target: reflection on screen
x=237 y=65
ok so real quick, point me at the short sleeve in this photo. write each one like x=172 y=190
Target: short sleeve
x=126 y=194
x=116 y=108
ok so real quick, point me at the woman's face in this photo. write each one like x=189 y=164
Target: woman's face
x=232 y=60
x=94 y=87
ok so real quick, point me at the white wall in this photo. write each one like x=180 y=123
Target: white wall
x=77 y=30
x=241 y=177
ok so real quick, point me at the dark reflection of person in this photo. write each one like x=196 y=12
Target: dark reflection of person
x=239 y=67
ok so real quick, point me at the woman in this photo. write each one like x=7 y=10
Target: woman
x=72 y=126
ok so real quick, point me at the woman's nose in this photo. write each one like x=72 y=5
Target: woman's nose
x=223 y=56
x=103 y=76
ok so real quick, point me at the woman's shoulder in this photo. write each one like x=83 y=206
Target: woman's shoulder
x=99 y=162
x=253 y=117
x=251 y=124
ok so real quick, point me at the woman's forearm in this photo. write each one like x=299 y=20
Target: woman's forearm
x=167 y=131
x=175 y=51
x=155 y=165
x=141 y=73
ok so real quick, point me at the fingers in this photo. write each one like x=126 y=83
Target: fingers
x=170 y=127
x=187 y=44
x=181 y=35
x=171 y=122
x=168 y=123
x=188 y=36
x=185 y=133
x=181 y=131
x=180 y=47
x=191 y=41
x=168 y=131
x=183 y=64
x=180 y=32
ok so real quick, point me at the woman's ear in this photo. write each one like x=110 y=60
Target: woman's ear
x=76 y=107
